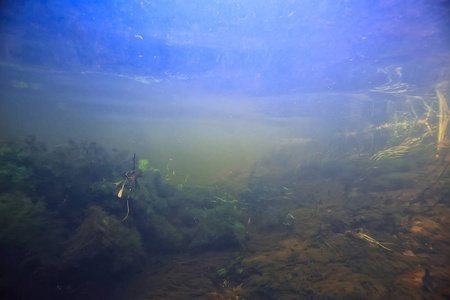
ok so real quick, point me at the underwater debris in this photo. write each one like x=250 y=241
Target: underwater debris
x=130 y=176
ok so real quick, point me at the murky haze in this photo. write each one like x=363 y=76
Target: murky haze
x=211 y=137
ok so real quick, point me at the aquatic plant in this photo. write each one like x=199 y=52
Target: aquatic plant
x=218 y=227
x=76 y=178
x=160 y=235
x=240 y=232
x=16 y=169
x=370 y=240
x=102 y=238
x=31 y=238
x=221 y=272
x=408 y=145
x=101 y=189
x=444 y=117
x=28 y=231
x=13 y=175
x=409 y=130
x=72 y=174
x=233 y=270
x=143 y=165
x=225 y=199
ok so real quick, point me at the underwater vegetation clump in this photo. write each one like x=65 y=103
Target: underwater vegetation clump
x=16 y=171
x=27 y=229
x=78 y=209
x=103 y=237
x=194 y=219
x=405 y=138
x=79 y=212
x=31 y=239
x=424 y=124
x=218 y=228
x=404 y=148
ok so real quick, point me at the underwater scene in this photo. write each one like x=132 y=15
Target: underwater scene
x=225 y=149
